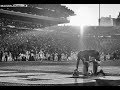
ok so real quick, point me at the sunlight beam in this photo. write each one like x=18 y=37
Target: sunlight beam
x=84 y=17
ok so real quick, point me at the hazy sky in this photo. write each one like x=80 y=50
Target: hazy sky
x=93 y=10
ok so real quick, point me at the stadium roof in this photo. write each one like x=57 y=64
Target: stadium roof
x=35 y=18
x=45 y=14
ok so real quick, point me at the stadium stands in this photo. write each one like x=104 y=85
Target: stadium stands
x=46 y=15
x=16 y=33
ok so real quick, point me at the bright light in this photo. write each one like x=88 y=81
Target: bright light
x=77 y=21
x=81 y=30
x=84 y=17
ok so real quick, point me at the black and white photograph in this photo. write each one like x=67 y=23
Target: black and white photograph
x=59 y=44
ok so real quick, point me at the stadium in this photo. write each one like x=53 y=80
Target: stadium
x=34 y=29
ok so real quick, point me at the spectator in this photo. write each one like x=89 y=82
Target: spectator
x=102 y=56
x=1 y=55
x=59 y=57
x=10 y=57
x=49 y=57
x=56 y=57
x=31 y=58
x=53 y=56
x=114 y=55
x=6 y=56
x=108 y=56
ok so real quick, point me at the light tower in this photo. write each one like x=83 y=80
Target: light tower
x=99 y=14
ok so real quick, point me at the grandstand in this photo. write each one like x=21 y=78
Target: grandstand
x=15 y=21
x=19 y=24
x=94 y=37
x=41 y=14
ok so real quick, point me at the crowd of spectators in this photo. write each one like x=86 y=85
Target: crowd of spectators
x=31 y=55
x=24 y=44
x=5 y=22
x=40 y=55
x=55 y=40
x=115 y=55
x=14 y=45
x=52 y=42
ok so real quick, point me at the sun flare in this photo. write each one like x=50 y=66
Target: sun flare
x=83 y=17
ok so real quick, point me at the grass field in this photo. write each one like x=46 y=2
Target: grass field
x=60 y=68
x=112 y=67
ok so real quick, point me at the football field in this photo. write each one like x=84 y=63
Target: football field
x=51 y=73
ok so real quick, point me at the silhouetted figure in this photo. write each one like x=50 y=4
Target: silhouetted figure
x=6 y=56
x=114 y=55
x=49 y=57
x=59 y=57
x=53 y=56
x=1 y=55
x=31 y=58
x=95 y=66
